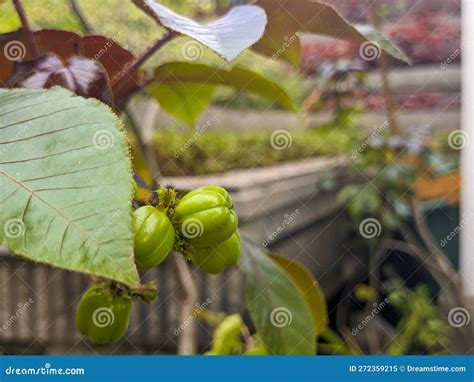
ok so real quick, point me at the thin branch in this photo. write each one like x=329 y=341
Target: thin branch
x=76 y=9
x=187 y=340
x=142 y=58
x=26 y=27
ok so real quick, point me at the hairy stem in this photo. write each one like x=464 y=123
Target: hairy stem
x=141 y=59
x=85 y=25
x=26 y=27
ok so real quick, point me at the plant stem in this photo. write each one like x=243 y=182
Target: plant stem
x=144 y=56
x=26 y=27
x=187 y=340
x=76 y=9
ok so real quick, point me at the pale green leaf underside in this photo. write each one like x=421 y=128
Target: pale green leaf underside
x=65 y=183
x=240 y=78
x=276 y=305
x=184 y=101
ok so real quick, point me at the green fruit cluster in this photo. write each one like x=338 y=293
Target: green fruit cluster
x=204 y=220
x=208 y=222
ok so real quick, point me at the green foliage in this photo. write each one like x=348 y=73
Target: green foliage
x=421 y=324
x=65 y=183
x=226 y=338
x=209 y=151
x=276 y=305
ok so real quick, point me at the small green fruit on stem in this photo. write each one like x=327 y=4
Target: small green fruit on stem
x=154 y=236
x=218 y=258
x=103 y=317
x=206 y=217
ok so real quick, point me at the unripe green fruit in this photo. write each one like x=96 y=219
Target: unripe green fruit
x=206 y=216
x=102 y=317
x=226 y=339
x=218 y=258
x=154 y=236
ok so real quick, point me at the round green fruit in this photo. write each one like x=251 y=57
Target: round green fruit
x=102 y=317
x=206 y=216
x=154 y=236
x=218 y=258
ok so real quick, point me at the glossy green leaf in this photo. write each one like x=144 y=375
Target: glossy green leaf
x=310 y=289
x=184 y=101
x=292 y=17
x=65 y=183
x=179 y=73
x=228 y=36
x=277 y=307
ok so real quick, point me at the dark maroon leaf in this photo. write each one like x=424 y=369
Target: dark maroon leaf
x=83 y=76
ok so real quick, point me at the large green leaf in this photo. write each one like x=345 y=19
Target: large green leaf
x=290 y=17
x=65 y=183
x=228 y=36
x=310 y=289
x=276 y=305
x=183 y=79
x=184 y=101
